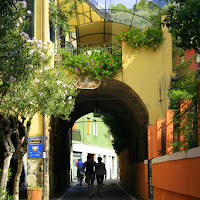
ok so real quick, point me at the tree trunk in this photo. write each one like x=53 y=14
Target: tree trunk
x=4 y=178
x=17 y=179
x=22 y=149
x=8 y=155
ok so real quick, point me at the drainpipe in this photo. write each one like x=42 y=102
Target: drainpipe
x=45 y=162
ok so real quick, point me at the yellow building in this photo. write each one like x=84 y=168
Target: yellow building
x=137 y=96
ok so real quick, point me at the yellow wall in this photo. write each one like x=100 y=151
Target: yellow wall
x=44 y=35
x=148 y=73
x=84 y=14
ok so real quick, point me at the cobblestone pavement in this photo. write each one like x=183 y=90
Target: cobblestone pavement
x=111 y=191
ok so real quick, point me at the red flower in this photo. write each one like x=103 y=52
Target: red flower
x=108 y=51
x=126 y=30
x=115 y=69
x=112 y=60
x=124 y=36
x=122 y=40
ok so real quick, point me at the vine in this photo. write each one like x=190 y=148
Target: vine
x=120 y=142
x=184 y=91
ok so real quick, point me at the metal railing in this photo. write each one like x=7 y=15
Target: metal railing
x=88 y=48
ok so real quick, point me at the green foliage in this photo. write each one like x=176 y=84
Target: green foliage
x=29 y=83
x=119 y=6
x=142 y=5
x=185 y=122
x=35 y=187
x=5 y=196
x=97 y=65
x=143 y=15
x=149 y=37
x=3 y=192
x=183 y=21
x=120 y=141
x=14 y=50
x=60 y=13
x=6 y=6
x=9 y=173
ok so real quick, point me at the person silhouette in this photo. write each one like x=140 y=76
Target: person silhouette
x=100 y=171
x=90 y=174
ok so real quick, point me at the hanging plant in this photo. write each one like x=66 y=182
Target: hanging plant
x=97 y=65
x=137 y=38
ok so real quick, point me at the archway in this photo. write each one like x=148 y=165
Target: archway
x=113 y=97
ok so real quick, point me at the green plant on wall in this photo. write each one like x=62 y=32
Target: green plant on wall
x=185 y=122
x=137 y=38
x=184 y=88
x=96 y=65
x=120 y=142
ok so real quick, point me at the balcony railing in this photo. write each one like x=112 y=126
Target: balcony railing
x=88 y=48
x=76 y=135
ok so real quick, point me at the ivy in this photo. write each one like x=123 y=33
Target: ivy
x=120 y=142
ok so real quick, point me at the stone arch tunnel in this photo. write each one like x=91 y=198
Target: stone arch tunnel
x=113 y=97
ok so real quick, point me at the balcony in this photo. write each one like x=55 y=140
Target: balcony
x=88 y=48
x=76 y=135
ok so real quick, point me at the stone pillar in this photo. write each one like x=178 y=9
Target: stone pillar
x=159 y=125
x=169 y=130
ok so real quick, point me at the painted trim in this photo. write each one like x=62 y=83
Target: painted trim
x=191 y=153
x=146 y=162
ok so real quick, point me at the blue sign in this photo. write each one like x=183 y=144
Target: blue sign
x=35 y=147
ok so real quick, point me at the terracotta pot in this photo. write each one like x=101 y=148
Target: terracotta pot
x=35 y=194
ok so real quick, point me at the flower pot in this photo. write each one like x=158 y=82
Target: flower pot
x=35 y=194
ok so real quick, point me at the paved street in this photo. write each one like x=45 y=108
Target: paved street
x=111 y=191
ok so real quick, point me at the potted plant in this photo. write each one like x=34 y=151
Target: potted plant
x=35 y=192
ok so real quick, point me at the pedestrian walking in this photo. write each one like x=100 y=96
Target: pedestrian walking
x=90 y=174
x=80 y=165
x=100 y=171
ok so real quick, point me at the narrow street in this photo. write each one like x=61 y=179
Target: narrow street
x=111 y=191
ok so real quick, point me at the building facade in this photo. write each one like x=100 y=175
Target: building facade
x=90 y=136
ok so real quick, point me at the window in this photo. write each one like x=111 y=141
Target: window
x=94 y=127
x=88 y=126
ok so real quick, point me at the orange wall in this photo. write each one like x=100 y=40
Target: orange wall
x=134 y=177
x=142 y=188
x=123 y=162
x=152 y=140
x=179 y=176
x=159 y=194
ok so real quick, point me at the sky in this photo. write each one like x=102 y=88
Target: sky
x=127 y=3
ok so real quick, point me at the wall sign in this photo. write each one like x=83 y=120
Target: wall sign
x=35 y=147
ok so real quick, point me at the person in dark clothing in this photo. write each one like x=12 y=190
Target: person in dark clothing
x=90 y=174
x=100 y=171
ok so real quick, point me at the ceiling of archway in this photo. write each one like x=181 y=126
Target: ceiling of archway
x=112 y=97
